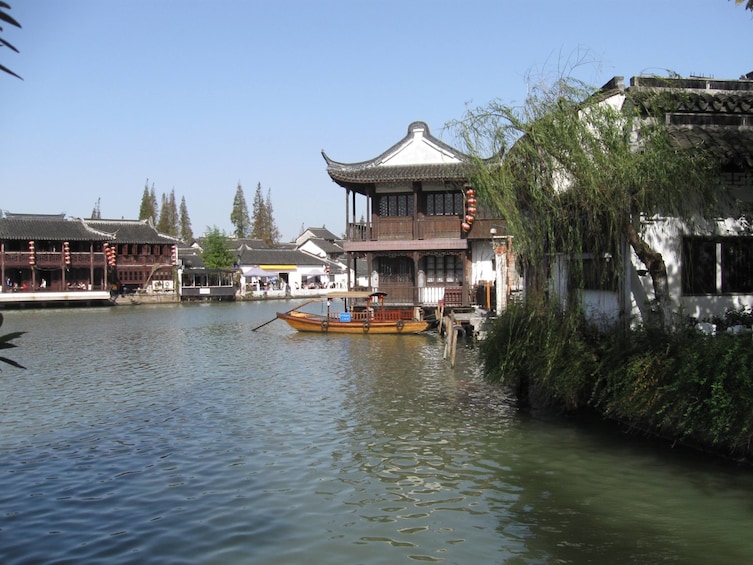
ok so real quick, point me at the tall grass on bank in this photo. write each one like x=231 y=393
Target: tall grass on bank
x=680 y=385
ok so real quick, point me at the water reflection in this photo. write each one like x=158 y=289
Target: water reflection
x=177 y=434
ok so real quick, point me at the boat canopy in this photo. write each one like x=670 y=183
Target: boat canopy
x=349 y=294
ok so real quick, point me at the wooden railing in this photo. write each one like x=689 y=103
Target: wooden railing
x=53 y=259
x=379 y=314
x=142 y=260
x=451 y=295
x=401 y=228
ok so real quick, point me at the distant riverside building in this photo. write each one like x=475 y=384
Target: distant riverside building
x=48 y=257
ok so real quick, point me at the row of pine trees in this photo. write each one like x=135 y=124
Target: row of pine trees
x=172 y=220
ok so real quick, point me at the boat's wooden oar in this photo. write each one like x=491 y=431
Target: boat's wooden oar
x=264 y=324
x=288 y=312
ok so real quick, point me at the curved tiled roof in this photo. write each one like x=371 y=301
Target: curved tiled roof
x=131 y=231
x=409 y=173
x=715 y=115
x=52 y=227
x=355 y=175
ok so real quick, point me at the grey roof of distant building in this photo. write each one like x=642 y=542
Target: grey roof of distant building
x=329 y=247
x=321 y=233
x=49 y=227
x=131 y=231
x=277 y=257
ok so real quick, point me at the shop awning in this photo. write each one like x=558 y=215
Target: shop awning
x=254 y=271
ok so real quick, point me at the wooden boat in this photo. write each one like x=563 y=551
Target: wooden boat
x=366 y=320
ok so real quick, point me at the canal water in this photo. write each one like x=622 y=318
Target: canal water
x=176 y=434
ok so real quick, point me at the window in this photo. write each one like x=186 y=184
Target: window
x=444 y=269
x=717 y=266
x=599 y=273
x=698 y=266
x=395 y=270
x=737 y=265
x=444 y=204
x=396 y=205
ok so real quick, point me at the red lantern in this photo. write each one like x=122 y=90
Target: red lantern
x=471 y=210
x=466 y=227
x=470 y=193
x=32 y=259
x=471 y=201
x=67 y=253
x=469 y=219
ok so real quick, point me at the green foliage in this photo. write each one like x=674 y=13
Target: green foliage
x=96 y=211
x=148 y=208
x=6 y=342
x=7 y=18
x=168 y=217
x=742 y=316
x=186 y=233
x=216 y=253
x=239 y=215
x=681 y=385
x=542 y=353
x=273 y=233
x=264 y=226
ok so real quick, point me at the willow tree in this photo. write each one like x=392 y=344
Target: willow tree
x=576 y=173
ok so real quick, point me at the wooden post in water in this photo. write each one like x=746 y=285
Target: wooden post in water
x=447 y=323
x=451 y=338
x=454 y=338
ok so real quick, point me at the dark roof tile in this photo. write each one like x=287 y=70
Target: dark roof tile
x=131 y=231
x=53 y=227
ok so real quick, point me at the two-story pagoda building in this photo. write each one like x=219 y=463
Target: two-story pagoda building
x=419 y=230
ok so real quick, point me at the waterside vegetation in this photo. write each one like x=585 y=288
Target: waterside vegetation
x=683 y=385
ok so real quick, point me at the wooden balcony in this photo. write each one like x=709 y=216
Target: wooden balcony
x=144 y=260
x=20 y=259
x=402 y=228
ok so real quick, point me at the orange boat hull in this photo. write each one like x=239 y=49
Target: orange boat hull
x=304 y=322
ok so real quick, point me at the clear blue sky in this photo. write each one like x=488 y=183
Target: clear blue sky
x=196 y=96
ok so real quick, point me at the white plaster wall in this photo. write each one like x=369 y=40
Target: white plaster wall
x=418 y=151
x=665 y=235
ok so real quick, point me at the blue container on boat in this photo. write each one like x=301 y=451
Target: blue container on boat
x=345 y=316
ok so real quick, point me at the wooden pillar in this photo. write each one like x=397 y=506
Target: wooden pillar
x=348 y=233
x=416 y=256
x=371 y=219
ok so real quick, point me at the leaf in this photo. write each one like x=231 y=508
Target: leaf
x=6 y=18
x=7 y=44
x=12 y=362
x=7 y=70
x=8 y=337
